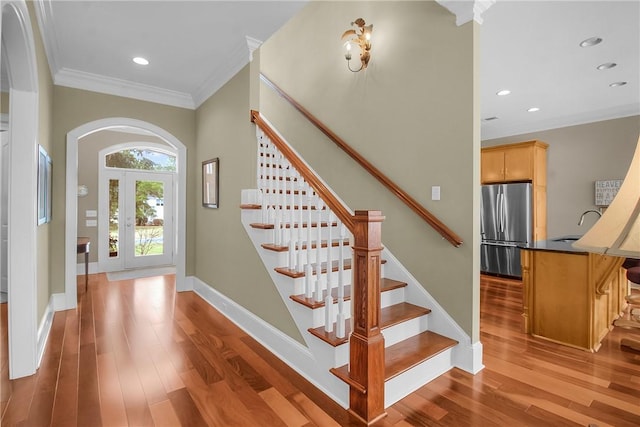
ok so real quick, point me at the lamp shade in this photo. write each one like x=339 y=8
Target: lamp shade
x=617 y=233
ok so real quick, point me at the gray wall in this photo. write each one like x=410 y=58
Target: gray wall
x=225 y=258
x=577 y=157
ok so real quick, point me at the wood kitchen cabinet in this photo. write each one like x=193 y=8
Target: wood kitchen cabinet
x=520 y=162
x=572 y=298
x=524 y=161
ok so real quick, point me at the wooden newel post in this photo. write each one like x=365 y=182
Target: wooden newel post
x=366 y=343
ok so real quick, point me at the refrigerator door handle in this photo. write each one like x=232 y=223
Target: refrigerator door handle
x=501 y=212
x=499 y=215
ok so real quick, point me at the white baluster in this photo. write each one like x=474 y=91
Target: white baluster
x=259 y=163
x=309 y=253
x=319 y=233
x=317 y=294
x=329 y=259
x=308 y=281
x=278 y=197
x=292 y=254
x=341 y=319
x=300 y=267
x=269 y=177
x=278 y=231
x=292 y=201
x=328 y=312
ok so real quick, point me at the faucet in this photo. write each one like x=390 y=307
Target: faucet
x=586 y=212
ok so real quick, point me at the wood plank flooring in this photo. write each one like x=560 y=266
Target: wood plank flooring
x=135 y=353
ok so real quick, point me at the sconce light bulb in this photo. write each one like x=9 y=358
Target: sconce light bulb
x=348 y=47
x=367 y=36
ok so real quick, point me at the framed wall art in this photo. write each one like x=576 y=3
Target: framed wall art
x=44 y=186
x=210 y=184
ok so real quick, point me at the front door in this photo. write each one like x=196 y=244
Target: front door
x=140 y=221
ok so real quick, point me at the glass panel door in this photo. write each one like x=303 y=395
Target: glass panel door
x=148 y=220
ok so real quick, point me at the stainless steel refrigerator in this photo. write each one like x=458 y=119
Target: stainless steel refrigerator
x=505 y=222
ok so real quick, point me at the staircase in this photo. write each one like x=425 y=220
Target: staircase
x=307 y=251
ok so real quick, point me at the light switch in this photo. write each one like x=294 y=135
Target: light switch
x=91 y=223
x=435 y=192
x=91 y=213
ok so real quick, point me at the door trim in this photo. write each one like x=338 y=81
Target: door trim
x=71 y=215
x=18 y=49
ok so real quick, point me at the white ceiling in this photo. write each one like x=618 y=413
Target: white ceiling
x=532 y=48
x=194 y=47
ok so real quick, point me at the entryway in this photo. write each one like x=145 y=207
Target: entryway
x=74 y=216
x=135 y=228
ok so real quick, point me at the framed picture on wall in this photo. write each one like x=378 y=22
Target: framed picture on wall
x=210 y=173
x=44 y=186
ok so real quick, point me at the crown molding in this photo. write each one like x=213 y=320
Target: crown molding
x=95 y=82
x=467 y=10
x=220 y=76
x=112 y=86
x=44 y=17
x=618 y=112
x=253 y=44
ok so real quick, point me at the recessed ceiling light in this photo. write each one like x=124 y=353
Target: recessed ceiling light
x=140 y=60
x=606 y=66
x=616 y=84
x=590 y=42
x=503 y=92
x=488 y=119
x=533 y=109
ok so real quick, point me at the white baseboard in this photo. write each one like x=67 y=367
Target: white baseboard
x=59 y=302
x=45 y=327
x=290 y=351
x=469 y=358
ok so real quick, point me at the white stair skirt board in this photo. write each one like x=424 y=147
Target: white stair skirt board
x=115 y=276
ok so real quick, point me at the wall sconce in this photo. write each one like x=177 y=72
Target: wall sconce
x=361 y=37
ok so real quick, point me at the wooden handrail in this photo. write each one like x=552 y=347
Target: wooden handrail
x=342 y=212
x=413 y=204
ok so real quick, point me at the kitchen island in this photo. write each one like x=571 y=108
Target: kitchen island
x=570 y=296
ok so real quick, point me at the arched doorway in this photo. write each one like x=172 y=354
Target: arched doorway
x=72 y=203
x=18 y=52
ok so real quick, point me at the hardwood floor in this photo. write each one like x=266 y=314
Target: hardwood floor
x=136 y=353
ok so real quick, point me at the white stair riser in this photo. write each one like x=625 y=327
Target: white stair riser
x=411 y=380
x=404 y=330
x=392 y=297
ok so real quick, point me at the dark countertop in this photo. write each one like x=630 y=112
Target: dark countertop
x=558 y=244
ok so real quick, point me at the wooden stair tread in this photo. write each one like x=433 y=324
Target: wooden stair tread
x=406 y=354
x=250 y=206
x=385 y=286
x=323 y=268
x=278 y=248
x=287 y=225
x=389 y=316
x=283 y=207
x=398 y=313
